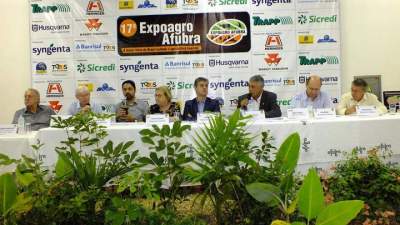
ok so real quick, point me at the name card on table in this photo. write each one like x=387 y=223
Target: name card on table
x=255 y=114
x=367 y=111
x=325 y=113
x=204 y=117
x=298 y=113
x=157 y=119
x=8 y=129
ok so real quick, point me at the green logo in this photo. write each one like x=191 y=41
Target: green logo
x=330 y=60
x=258 y=21
x=227 y=32
x=214 y=3
x=81 y=68
x=172 y=85
x=302 y=19
x=64 y=8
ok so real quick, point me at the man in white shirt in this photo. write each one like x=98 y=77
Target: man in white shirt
x=83 y=104
x=358 y=97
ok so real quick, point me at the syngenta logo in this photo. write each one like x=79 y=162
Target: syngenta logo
x=270 y=2
x=231 y=63
x=303 y=19
x=285 y=20
x=138 y=67
x=331 y=60
x=228 y=84
x=81 y=68
x=51 y=49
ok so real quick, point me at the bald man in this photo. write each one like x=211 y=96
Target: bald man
x=37 y=115
x=83 y=104
x=313 y=96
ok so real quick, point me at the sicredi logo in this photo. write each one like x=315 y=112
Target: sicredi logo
x=270 y=2
x=173 y=85
x=214 y=3
x=51 y=50
x=227 y=32
x=285 y=20
x=284 y=102
x=313 y=19
x=330 y=60
x=62 y=8
x=84 y=68
x=52 y=28
x=138 y=67
x=230 y=63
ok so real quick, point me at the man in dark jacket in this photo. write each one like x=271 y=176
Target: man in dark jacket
x=259 y=99
x=201 y=103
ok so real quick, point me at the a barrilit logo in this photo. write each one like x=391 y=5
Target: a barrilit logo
x=270 y=2
x=94 y=7
x=229 y=84
x=54 y=90
x=56 y=8
x=185 y=64
x=329 y=60
x=214 y=3
x=230 y=63
x=138 y=67
x=85 y=68
x=63 y=28
x=93 y=47
x=283 y=20
x=52 y=49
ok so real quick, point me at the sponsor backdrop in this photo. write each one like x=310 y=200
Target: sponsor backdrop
x=99 y=44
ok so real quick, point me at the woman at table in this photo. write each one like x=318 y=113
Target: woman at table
x=164 y=105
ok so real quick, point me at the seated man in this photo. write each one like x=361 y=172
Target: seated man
x=37 y=115
x=313 y=96
x=259 y=99
x=358 y=97
x=201 y=103
x=83 y=104
x=130 y=109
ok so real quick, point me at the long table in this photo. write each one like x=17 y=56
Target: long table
x=323 y=141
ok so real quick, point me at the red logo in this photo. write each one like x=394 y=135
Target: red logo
x=55 y=106
x=93 y=24
x=273 y=58
x=95 y=7
x=273 y=42
x=54 y=90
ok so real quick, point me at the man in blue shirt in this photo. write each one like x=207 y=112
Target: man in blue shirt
x=84 y=104
x=313 y=96
x=201 y=103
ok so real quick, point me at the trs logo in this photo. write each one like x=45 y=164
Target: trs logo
x=148 y=84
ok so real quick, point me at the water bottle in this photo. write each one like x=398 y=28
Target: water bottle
x=21 y=125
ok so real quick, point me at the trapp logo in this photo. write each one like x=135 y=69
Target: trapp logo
x=55 y=106
x=284 y=20
x=214 y=3
x=54 y=90
x=62 y=8
x=303 y=19
x=273 y=58
x=93 y=24
x=273 y=42
x=330 y=60
x=51 y=50
x=227 y=32
x=94 y=7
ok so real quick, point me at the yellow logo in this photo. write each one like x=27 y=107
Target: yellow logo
x=125 y=4
x=306 y=39
x=88 y=85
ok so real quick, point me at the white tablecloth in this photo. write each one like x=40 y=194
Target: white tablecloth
x=323 y=141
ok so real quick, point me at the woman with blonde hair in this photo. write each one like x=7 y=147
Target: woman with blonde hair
x=164 y=104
